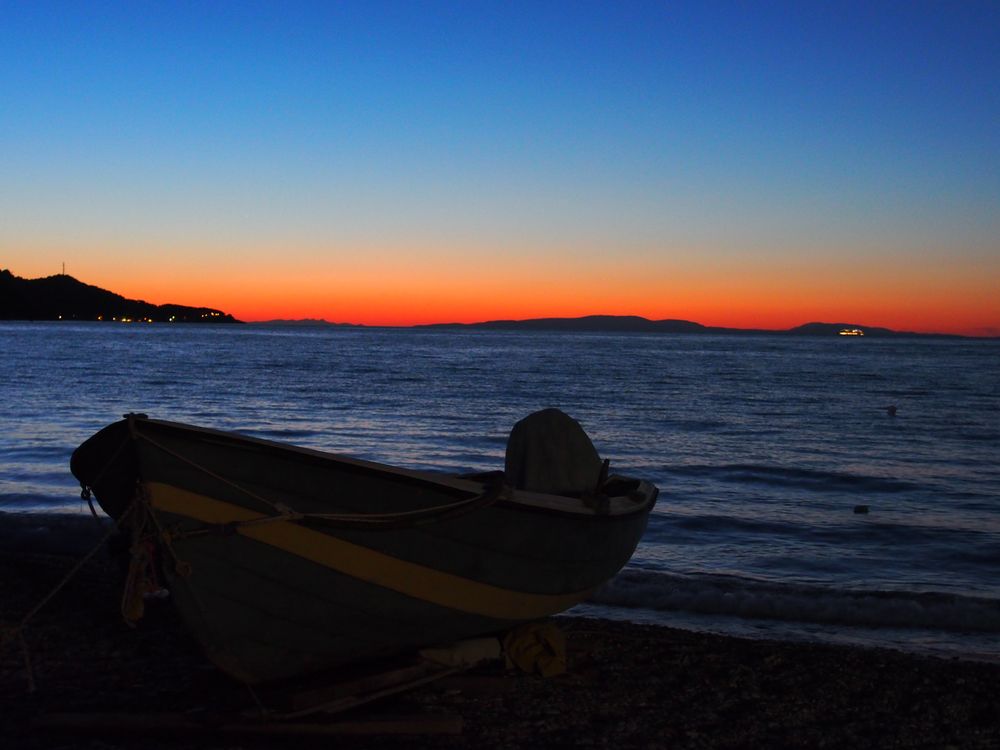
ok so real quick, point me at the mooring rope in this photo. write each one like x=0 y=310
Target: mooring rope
x=17 y=632
x=86 y=489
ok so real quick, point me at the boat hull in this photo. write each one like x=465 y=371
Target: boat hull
x=273 y=594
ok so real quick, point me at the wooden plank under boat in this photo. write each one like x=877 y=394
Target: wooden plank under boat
x=284 y=560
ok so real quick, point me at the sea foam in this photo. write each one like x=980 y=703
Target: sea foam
x=747 y=598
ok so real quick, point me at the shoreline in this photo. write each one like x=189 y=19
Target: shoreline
x=628 y=685
x=73 y=534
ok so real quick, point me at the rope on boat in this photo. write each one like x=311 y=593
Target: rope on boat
x=141 y=578
x=371 y=521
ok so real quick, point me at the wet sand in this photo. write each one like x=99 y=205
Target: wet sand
x=628 y=686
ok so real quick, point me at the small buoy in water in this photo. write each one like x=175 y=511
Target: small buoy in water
x=860 y=508
x=891 y=410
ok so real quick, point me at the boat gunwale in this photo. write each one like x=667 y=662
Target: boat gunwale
x=531 y=501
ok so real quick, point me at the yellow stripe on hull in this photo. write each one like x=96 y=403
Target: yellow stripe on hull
x=412 y=579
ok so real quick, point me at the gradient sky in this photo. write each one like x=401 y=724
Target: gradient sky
x=743 y=164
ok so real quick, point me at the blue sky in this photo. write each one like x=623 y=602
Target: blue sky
x=653 y=132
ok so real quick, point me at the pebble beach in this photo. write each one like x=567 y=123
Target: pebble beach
x=627 y=685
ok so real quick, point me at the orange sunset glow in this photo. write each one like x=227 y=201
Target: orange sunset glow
x=396 y=291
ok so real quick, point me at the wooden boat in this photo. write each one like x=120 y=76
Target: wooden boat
x=284 y=560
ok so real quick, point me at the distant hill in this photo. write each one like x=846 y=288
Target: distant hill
x=62 y=297
x=596 y=323
x=637 y=324
x=305 y=323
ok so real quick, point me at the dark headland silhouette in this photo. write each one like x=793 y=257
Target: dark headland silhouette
x=61 y=297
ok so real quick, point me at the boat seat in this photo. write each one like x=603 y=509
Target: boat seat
x=549 y=452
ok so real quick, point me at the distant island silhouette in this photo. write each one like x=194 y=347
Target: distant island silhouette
x=631 y=324
x=637 y=324
x=306 y=323
x=61 y=297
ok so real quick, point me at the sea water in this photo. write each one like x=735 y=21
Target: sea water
x=764 y=448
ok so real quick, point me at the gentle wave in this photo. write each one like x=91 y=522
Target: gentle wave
x=738 y=597
x=51 y=454
x=986 y=436
x=15 y=500
x=819 y=481
x=285 y=433
x=42 y=504
x=714 y=527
